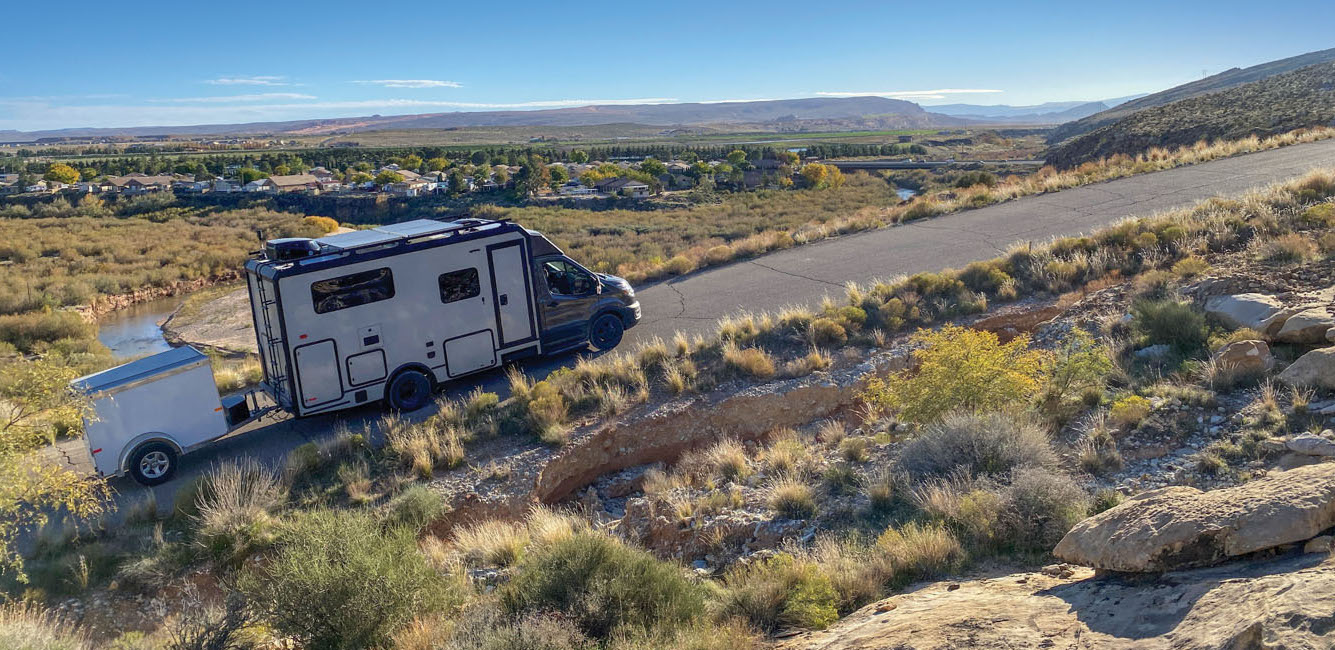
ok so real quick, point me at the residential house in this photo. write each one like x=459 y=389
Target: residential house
x=225 y=186
x=321 y=174
x=9 y=184
x=408 y=188
x=295 y=183
x=575 y=188
x=142 y=183
x=260 y=185
x=332 y=186
x=623 y=187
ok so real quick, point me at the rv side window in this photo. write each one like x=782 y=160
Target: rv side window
x=459 y=285
x=352 y=290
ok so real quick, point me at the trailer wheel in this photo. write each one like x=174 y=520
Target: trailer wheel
x=153 y=463
x=606 y=331
x=408 y=391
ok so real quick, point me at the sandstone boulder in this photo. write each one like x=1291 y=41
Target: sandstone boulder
x=1316 y=369
x=1178 y=526
x=1246 y=356
x=1311 y=444
x=1253 y=310
x=1308 y=326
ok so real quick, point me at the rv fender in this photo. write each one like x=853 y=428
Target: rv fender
x=419 y=367
x=143 y=438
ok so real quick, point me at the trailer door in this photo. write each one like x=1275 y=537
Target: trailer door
x=318 y=377
x=511 y=295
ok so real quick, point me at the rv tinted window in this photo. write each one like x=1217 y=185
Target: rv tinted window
x=459 y=285
x=352 y=290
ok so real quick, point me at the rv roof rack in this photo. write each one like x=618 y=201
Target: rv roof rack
x=394 y=234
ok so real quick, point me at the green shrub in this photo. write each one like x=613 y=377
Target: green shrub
x=991 y=444
x=602 y=585
x=233 y=506
x=825 y=332
x=1170 y=322
x=415 y=508
x=340 y=580
x=961 y=369
x=918 y=552
x=779 y=591
x=789 y=497
x=1129 y=411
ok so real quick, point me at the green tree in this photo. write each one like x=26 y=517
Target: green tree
x=533 y=177
x=411 y=162
x=281 y=170
x=559 y=174
x=457 y=183
x=789 y=157
x=437 y=164
x=388 y=177
x=62 y=173
x=362 y=166
x=816 y=175
x=653 y=167
x=579 y=156
x=249 y=174
x=362 y=177
x=88 y=174
x=688 y=157
x=478 y=157
x=33 y=395
x=736 y=157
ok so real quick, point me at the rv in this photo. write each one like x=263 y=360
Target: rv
x=391 y=312
x=380 y=315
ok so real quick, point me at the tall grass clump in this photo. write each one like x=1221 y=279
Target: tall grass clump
x=233 y=507
x=25 y=626
x=778 y=592
x=980 y=444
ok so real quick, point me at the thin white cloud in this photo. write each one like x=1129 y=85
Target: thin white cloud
x=411 y=83
x=257 y=97
x=734 y=101
x=938 y=93
x=258 y=80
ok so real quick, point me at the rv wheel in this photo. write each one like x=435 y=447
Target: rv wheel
x=153 y=463
x=408 y=391
x=606 y=331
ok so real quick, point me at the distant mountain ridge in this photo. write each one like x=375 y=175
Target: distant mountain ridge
x=1222 y=81
x=1045 y=113
x=890 y=113
x=1275 y=104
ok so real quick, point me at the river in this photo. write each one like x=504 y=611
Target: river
x=136 y=331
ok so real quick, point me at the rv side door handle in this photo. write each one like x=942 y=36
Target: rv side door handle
x=505 y=299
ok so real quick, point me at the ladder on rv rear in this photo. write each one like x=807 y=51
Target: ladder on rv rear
x=276 y=370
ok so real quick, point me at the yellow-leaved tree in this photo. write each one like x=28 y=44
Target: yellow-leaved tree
x=33 y=396
x=961 y=369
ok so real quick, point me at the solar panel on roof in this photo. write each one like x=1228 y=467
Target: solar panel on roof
x=358 y=238
x=418 y=227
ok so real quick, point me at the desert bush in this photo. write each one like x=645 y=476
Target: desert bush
x=825 y=333
x=855 y=450
x=1040 y=507
x=791 y=498
x=992 y=444
x=748 y=362
x=1129 y=411
x=727 y=460
x=786 y=454
x=340 y=580
x=1287 y=249
x=601 y=585
x=779 y=591
x=1170 y=322
x=415 y=508
x=1190 y=267
x=487 y=629
x=961 y=369
x=233 y=506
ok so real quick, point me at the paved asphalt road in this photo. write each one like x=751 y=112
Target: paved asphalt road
x=803 y=275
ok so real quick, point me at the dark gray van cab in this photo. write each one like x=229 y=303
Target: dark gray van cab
x=578 y=307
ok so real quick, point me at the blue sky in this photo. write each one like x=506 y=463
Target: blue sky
x=94 y=64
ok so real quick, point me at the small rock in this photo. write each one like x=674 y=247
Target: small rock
x=1322 y=544
x=1311 y=445
x=1157 y=351
x=952 y=586
x=1246 y=356
x=885 y=607
x=1315 y=369
x=1308 y=326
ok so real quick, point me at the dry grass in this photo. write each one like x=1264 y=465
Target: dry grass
x=917 y=551
x=24 y=626
x=786 y=454
x=490 y=543
x=791 y=498
x=754 y=363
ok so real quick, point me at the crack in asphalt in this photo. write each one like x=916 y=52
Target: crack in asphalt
x=681 y=298
x=977 y=236
x=796 y=275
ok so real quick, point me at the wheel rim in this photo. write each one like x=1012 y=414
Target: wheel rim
x=154 y=464
x=409 y=391
x=605 y=331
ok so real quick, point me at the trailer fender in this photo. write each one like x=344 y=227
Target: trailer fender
x=152 y=436
x=419 y=367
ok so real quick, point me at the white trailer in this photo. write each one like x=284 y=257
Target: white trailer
x=147 y=413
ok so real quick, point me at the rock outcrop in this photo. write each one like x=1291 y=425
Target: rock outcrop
x=1307 y=327
x=1254 y=310
x=1316 y=369
x=1176 y=527
x=1280 y=603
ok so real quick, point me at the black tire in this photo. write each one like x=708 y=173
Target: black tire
x=408 y=391
x=153 y=463
x=606 y=331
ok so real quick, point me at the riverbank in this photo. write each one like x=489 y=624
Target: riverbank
x=216 y=318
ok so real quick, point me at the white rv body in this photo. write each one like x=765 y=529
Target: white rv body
x=442 y=298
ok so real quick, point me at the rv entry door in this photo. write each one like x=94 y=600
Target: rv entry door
x=318 y=378
x=510 y=292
